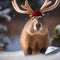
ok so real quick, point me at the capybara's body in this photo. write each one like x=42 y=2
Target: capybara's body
x=34 y=36
x=34 y=42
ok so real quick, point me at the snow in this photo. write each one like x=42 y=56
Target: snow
x=0 y=7
x=13 y=42
x=18 y=55
x=4 y=13
x=58 y=28
x=1 y=44
x=3 y=27
x=51 y=49
x=5 y=38
x=14 y=46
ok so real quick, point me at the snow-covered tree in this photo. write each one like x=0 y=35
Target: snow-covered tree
x=4 y=14
x=56 y=37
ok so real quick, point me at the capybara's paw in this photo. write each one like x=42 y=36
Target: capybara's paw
x=43 y=50
x=29 y=51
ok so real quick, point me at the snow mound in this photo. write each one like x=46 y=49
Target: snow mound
x=20 y=56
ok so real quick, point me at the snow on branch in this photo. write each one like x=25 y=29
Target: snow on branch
x=0 y=7
x=4 y=13
x=3 y=27
x=58 y=28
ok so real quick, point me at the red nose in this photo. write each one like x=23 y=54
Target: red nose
x=36 y=13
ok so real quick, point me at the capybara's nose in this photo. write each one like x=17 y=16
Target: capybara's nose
x=38 y=26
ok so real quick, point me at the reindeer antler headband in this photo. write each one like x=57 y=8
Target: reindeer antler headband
x=28 y=9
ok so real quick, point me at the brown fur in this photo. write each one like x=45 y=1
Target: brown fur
x=36 y=41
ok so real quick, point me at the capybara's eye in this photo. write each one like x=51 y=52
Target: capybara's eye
x=29 y=51
x=43 y=50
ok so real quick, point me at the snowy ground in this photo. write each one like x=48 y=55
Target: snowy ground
x=54 y=54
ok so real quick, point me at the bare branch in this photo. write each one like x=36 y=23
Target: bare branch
x=46 y=3
x=27 y=11
x=44 y=8
x=27 y=6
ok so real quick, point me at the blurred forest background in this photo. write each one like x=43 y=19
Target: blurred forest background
x=11 y=22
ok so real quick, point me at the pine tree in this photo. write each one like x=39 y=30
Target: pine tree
x=4 y=14
x=2 y=45
x=56 y=36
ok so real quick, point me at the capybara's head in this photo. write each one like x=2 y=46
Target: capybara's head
x=36 y=25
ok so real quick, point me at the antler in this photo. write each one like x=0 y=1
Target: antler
x=27 y=8
x=45 y=7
